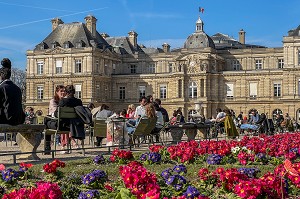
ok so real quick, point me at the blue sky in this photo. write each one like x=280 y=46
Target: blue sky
x=24 y=24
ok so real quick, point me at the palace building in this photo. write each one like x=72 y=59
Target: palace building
x=210 y=71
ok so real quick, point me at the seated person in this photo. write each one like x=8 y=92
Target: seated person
x=102 y=114
x=76 y=126
x=254 y=117
x=11 y=111
x=116 y=130
x=220 y=116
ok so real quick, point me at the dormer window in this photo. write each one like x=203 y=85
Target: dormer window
x=80 y=44
x=42 y=46
x=67 y=44
x=54 y=44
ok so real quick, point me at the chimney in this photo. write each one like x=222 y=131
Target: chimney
x=90 y=22
x=104 y=35
x=166 y=47
x=242 y=34
x=133 y=38
x=55 y=22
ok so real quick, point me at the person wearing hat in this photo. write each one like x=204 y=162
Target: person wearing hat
x=11 y=111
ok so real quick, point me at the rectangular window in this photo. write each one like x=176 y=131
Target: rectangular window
x=78 y=91
x=114 y=68
x=133 y=69
x=298 y=57
x=151 y=68
x=40 y=92
x=229 y=90
x=258 y=64
x=78 y=66
x=280 y=63
x=170 y=67
x=179 y=88
x=122 y=92
x=236 y=65
x=40 y=67
x=163 y=92
x=277 y=89
x=97 y=66
x=58 y=67
x=252 y=90
x=142 y=91
x=98 y=90
x=298 y=87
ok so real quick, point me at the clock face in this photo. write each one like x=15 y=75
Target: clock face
x=192 y=63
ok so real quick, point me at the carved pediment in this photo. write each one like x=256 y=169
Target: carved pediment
x=57 y=50
x=197 y=63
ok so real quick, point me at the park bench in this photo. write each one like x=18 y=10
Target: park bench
x=28 y=138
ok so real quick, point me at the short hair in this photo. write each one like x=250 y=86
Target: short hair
x=158 y=101
x=91 y=105
x=104 y=107
x=6 y=63
x=141 y=98
x=123 y=112
x=5 y=73
x=219 y=110
x=70 y=89
x=156 y=106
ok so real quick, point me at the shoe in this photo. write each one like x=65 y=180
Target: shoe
x=62 y=152
x=15 y=144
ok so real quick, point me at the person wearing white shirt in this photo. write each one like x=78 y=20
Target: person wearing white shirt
x=140 y=110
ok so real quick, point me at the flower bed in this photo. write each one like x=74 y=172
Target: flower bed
x=258 y=167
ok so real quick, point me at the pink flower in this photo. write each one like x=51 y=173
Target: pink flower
x=2 y=167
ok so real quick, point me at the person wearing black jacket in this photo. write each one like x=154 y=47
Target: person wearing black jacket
x=11 y=111
x=68 y=101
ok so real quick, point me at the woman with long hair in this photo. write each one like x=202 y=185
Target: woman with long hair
x=53 y=104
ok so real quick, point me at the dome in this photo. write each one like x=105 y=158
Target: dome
x=199 y=40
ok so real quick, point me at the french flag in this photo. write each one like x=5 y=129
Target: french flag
x=201 y=9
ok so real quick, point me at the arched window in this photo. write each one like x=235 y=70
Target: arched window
x=192 y=90
x=275 y=112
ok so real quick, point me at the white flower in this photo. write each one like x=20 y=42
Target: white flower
x=244 y=148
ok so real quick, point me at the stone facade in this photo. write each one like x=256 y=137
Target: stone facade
x=215 y=71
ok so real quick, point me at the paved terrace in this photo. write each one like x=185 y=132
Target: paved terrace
x=8 y=147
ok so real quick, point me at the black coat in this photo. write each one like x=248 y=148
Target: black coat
x=11 y=111
x=64 y=123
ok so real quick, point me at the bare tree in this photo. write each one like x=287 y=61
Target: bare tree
x=18 y=76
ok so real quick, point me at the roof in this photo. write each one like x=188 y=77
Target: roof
x=73 y=33
x=122 y=45
x=199 y=40
x=223 y=41
x=294 y=32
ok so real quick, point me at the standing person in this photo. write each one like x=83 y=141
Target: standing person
x=11 y=111
x=103 y=114
x=279 y=119
x=230 y=128
x=53 y=104
x=163 y=110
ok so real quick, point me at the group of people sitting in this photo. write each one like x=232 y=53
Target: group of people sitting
x=119 y=132
x=260 y=123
